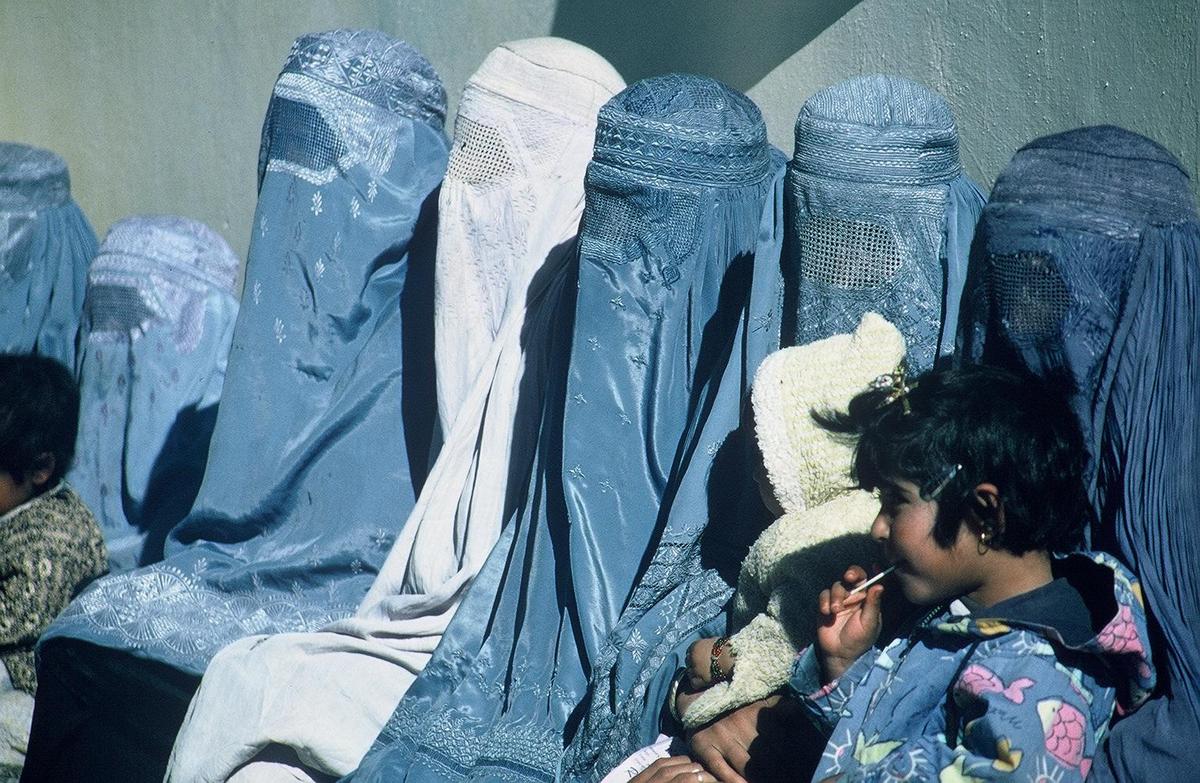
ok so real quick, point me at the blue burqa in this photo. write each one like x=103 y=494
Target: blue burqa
x=1087 y=268
x=45 y=246
x=878 y=210
x=881 y=215
x=322 y=436
x=157 y=321
x=677 y=301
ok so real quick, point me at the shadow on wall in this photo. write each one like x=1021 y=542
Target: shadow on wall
x=738 y=43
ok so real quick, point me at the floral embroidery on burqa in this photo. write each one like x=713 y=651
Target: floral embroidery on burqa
x=280 y=537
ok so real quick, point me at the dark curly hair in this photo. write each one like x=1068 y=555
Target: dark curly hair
x=39 y=415
x=1012 y=429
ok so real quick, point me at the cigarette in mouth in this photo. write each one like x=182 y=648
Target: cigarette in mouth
x=871 y=581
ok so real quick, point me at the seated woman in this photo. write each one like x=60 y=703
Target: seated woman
x=1026 y=650
x=50 y=544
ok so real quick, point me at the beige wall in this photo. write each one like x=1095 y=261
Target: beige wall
x=157 y=106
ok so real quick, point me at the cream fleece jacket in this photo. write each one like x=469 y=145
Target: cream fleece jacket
x=825 y=523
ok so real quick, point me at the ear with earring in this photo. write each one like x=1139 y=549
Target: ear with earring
x=985 y=537
x=990 y=514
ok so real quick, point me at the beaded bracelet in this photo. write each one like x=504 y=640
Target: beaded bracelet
x=715 y=674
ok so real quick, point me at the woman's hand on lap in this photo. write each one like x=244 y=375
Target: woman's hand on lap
x=723 y=746
x=675 y=769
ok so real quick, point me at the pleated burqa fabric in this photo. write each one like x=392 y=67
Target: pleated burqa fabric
x=46 y=244
x=1087 y=269
x=881 y=214
x=158 y=319
x=672 y=301
x=509 y=211
x=323 y=435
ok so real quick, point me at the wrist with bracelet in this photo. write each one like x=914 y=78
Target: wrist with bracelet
x=720 y=647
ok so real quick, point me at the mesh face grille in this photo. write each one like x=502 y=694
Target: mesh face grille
x=116 y=309
x=624 y=226
x=1030 y=295
x=480 y=156
x=850 y=254
x=301 y=136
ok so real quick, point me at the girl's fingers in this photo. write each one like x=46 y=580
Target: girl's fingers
x=872 y=601
x=837 y=595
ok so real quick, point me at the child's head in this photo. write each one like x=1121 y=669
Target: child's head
x=39 y=416
x=992 y=458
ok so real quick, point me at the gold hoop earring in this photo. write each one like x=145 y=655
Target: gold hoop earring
x=985 y=538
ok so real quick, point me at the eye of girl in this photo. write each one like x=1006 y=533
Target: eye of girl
x=891 y=497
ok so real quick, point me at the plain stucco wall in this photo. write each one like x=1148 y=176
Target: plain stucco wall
x=157 y=106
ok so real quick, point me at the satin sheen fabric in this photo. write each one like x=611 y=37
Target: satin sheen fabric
x=509 y=211
x=673 y=300
x=308 y=475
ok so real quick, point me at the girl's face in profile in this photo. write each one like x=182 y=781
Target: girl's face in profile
x=927 y=573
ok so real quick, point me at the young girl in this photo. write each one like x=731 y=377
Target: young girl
x=1018 y=665
x=1024 y=651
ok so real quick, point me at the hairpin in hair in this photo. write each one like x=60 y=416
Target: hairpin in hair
x=896 y=383
x=933 y=493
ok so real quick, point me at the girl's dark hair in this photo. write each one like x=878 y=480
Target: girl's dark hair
x=39 y=414
x=1009 y=428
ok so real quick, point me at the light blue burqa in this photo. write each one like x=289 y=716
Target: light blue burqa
x=1088 y=268
x=323 y=434
x=677 y=302
x=878 y=211
x=881 y=215
x=45 y=246
x=157 y=321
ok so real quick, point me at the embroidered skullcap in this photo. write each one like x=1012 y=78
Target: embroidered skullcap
x=684 y=128
x=31 y=178
x=157 y=267
x=339 y=101
x=1100 y=178
x=551 y=74
x=878 y=129
x=375 y=67
x=184 y=246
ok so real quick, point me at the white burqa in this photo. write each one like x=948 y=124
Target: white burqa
x=508 y=213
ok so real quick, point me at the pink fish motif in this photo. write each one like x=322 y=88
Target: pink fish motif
x=1065 y=729
x=1121 y=636
x=978 y=680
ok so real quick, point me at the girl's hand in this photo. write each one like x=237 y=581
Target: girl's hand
x=676 y=769
x=850 y=624
x=699 y=668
